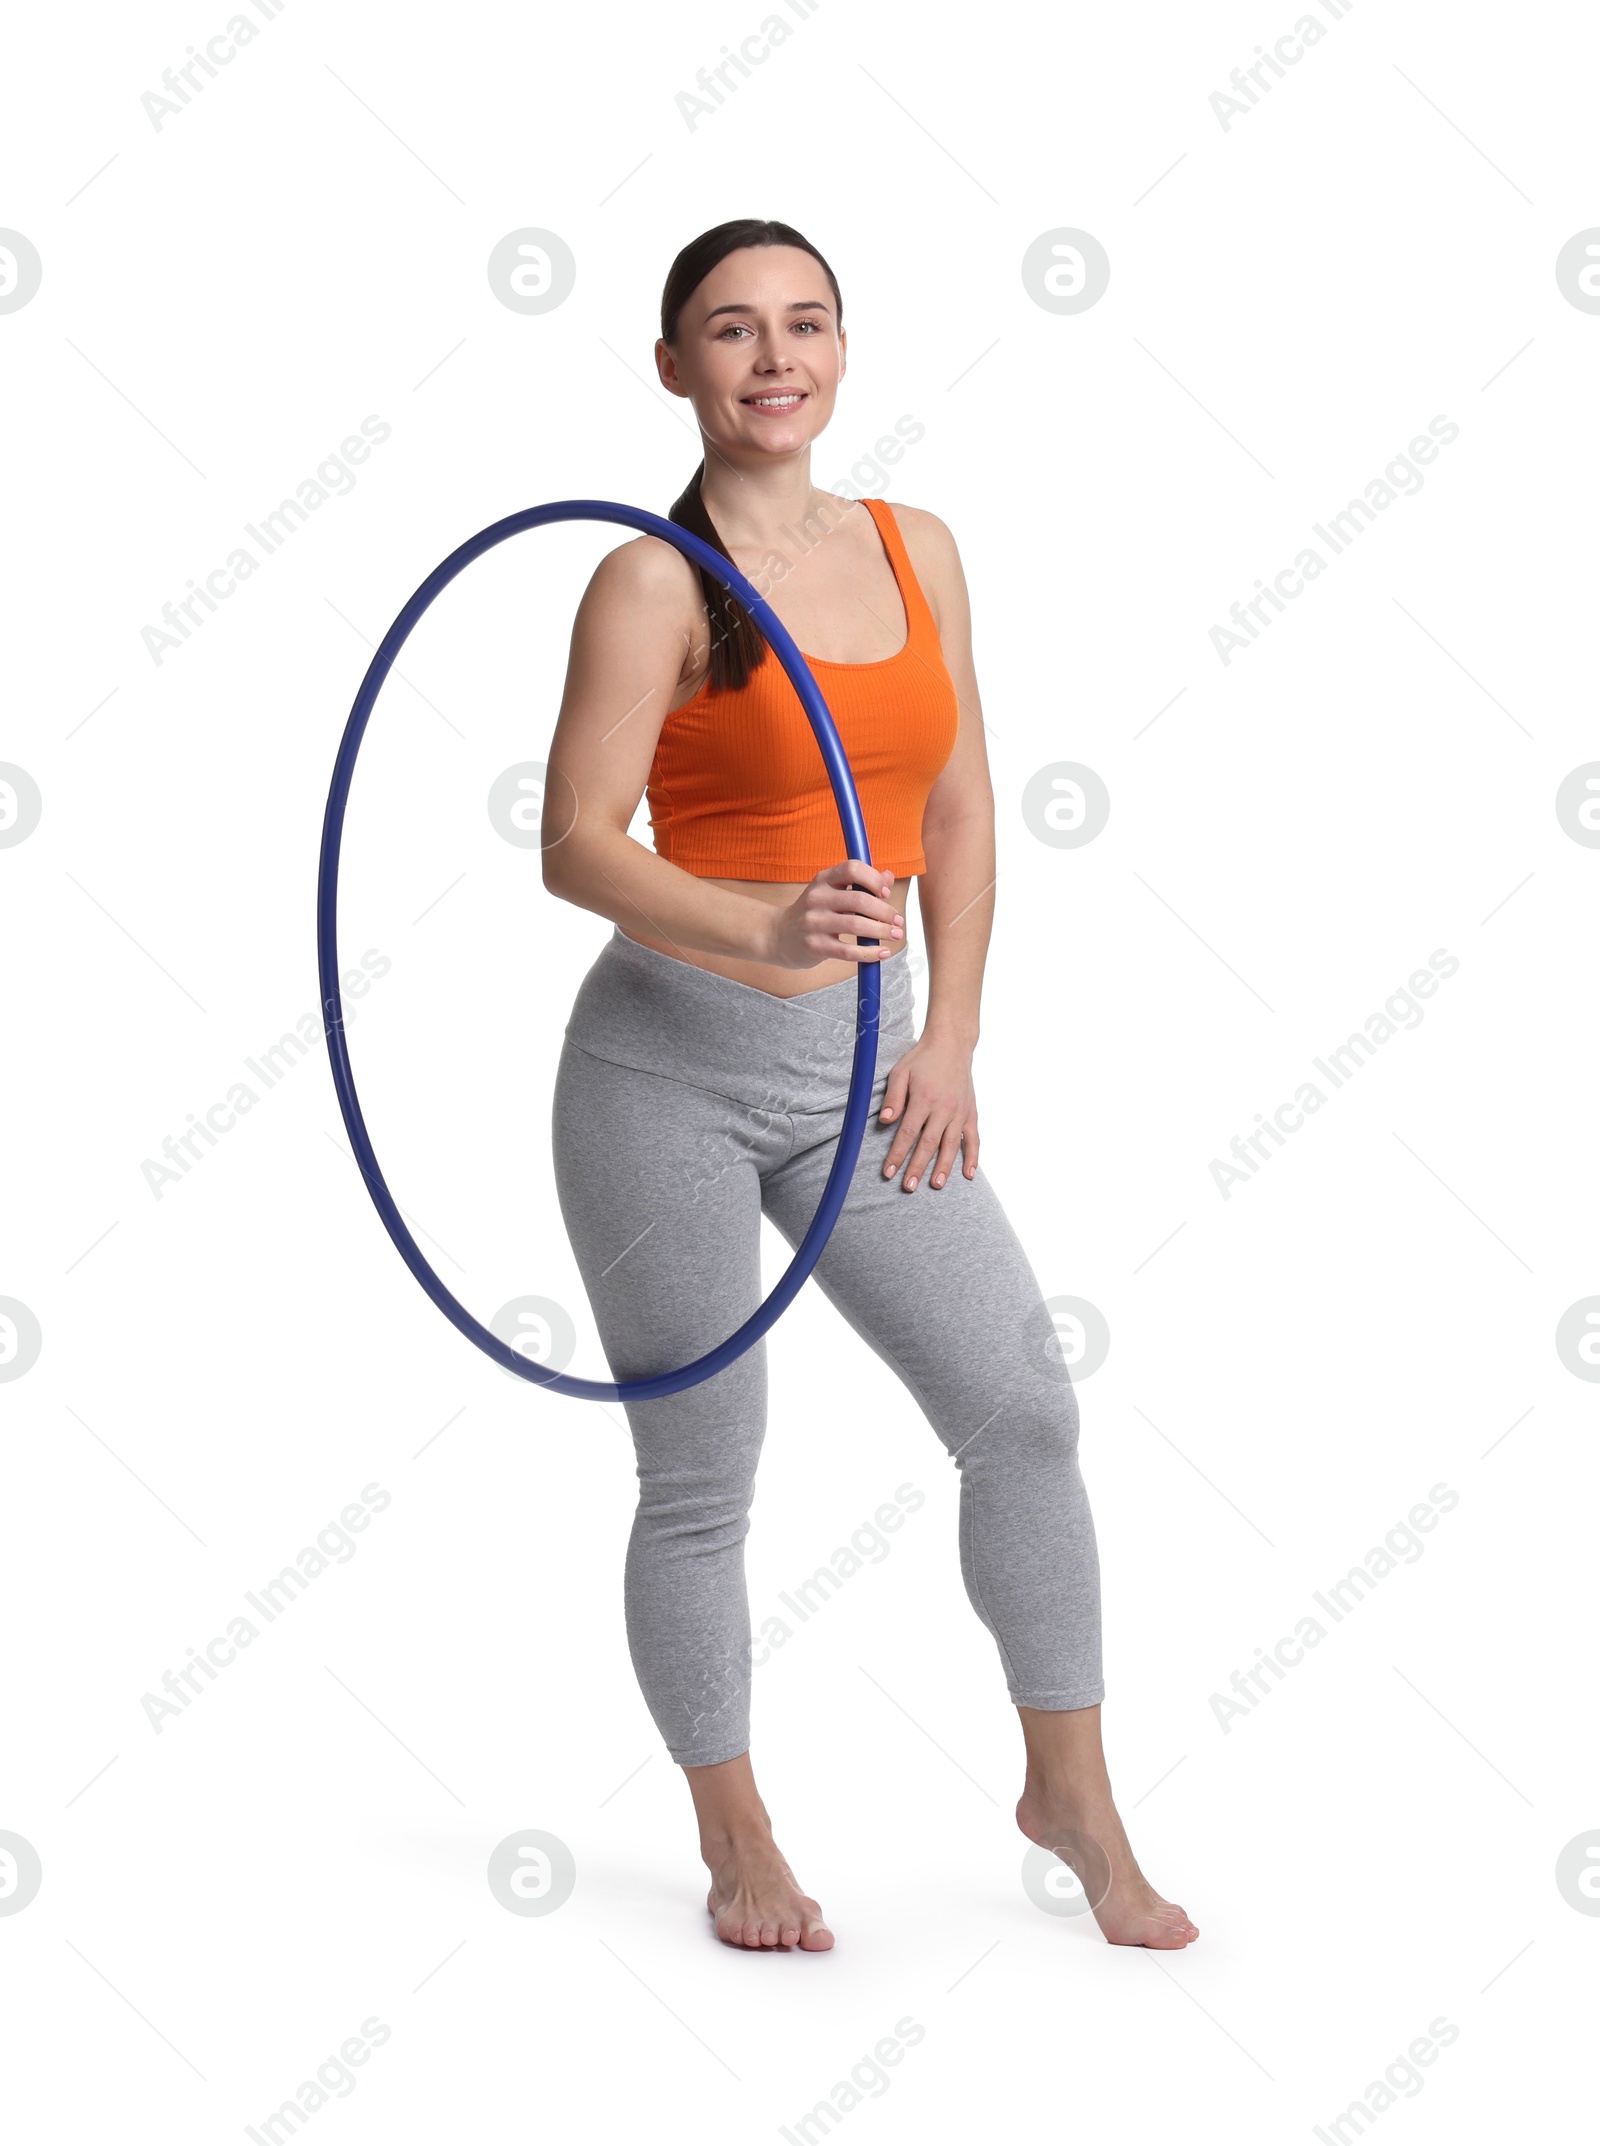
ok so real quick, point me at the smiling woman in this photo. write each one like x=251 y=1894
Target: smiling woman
x=704 y=1074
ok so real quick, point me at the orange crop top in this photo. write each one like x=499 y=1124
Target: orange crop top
x=738 y=788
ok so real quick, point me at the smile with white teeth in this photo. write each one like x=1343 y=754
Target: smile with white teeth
x=785 y=401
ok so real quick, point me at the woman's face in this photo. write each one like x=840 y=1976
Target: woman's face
x=759 y=353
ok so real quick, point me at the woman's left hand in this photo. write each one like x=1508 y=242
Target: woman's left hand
x=930 y=1092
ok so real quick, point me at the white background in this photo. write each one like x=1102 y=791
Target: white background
x=223 y=1368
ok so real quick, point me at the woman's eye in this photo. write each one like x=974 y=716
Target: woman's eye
x=736 y=327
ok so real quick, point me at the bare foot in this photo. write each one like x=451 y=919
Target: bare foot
x=1131 y=1911
x=755 y=1900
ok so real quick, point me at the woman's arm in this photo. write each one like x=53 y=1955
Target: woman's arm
x=631 y=643
x=931 y=1087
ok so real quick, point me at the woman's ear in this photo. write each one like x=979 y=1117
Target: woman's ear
x=667 y=368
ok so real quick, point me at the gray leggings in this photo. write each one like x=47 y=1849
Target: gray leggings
x=686 y=1105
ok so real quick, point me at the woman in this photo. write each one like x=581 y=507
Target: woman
x=707 y=1062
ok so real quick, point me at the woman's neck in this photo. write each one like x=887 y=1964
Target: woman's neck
x=752 y=507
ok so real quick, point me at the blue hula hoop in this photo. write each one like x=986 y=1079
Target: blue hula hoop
x=863 y=1070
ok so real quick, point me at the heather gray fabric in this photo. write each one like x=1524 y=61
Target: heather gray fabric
x=686 y=1105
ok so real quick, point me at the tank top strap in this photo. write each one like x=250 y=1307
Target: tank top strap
x=921 y=626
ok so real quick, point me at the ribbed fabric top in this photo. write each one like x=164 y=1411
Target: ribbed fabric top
x=738 y=789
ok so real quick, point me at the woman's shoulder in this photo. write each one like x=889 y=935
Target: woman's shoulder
x=909 y=519
x=646 y=567
x=645 y=586
x=931 y=548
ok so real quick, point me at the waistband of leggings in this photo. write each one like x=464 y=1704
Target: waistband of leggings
x=642 y=1008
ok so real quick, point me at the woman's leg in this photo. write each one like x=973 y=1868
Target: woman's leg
x=940 y=1288
x=659 y=1189
x=937 y=1283
x=1066 y=1805
x=663 y=1212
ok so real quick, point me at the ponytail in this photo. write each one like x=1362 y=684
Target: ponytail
x=737 y=646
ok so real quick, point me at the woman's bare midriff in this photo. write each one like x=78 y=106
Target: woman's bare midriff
x=766 y=975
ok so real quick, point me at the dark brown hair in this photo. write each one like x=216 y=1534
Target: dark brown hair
x=736 y=647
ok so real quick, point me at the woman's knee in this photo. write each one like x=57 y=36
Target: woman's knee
x=1035 y=1431
x=695 y=1510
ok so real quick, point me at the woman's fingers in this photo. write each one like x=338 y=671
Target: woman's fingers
x=855 y=882
x=949 y=1151
x=905 y=1140
x=926 y=1148
x=834 y=924
x=838 y=907
x=832 y=950
x=866 y=875
x=938 y=1128
x=854 y=901
x=863 y=928
x=827 y=933
x=929 y=1135
x=844 y=913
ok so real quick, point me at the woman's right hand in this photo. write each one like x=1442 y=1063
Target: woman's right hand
x=811 y=928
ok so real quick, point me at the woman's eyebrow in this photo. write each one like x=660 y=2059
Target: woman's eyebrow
x=796 y=305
